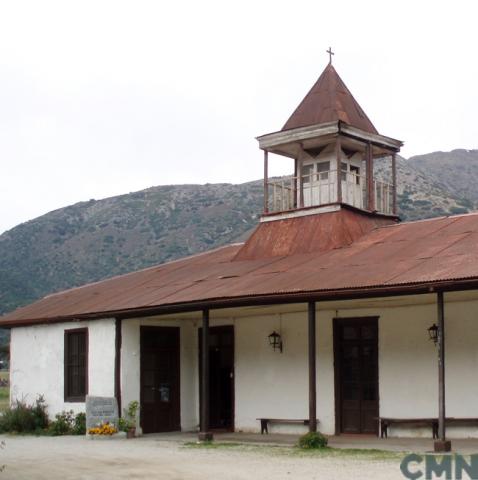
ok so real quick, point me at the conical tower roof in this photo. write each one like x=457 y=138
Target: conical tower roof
x=329 y=100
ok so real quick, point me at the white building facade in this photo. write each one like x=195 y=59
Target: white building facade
x=265 y=382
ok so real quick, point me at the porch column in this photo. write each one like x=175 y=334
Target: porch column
x=117 y=380
x=441 y=445
x=204 y=434
x=312 y=370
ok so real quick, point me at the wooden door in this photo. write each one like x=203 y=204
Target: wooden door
x=159 y=372
x=356 y=375
x=221 y=377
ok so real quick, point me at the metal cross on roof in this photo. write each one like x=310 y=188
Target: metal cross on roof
x=329 y=51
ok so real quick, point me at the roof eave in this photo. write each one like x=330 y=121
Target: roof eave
x=275 y=139
x=375 y=139
x=263 y=300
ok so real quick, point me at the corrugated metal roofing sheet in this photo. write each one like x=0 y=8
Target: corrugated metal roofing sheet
x=312 y=233
x=398 y=255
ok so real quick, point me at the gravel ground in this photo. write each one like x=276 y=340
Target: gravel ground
x=66 y=458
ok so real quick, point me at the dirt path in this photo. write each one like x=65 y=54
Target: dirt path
x=68 y=458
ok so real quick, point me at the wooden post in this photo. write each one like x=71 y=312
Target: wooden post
x=295 y=182
x=204 y=434
x=301 y=184
x=370 y=186
x=382 y=208
x=312 y=370
x=282 y=200
x=266 y=180
x=441 y=445
x=339 y=170
x=394 y=184
x=117 y=380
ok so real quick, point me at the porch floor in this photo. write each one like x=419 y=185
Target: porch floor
x=417 y=445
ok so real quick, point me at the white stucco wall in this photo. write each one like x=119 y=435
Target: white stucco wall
x=37 y=356
x=273 y=384
x=409 y=370
x=260 y=389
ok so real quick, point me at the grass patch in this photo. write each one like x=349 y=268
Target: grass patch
x=351 y=453
x=213 y=445
x=327 y=452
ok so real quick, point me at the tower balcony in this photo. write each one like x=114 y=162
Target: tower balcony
x=318 y=189
x=333 y=164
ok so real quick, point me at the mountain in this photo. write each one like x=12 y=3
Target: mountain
x=422 y=191
x=93 y=240
x=456 y=171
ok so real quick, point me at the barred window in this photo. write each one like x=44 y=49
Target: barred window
x=76 y=364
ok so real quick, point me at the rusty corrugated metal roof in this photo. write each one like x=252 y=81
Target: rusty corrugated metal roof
x=423 y=252
x=312 y=233
x=329 y=100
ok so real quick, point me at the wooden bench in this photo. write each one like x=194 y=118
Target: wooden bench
x=461 y=421
x=265 y=422
x=385 y=422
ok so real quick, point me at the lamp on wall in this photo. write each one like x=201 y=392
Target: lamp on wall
x=275 y=341
x=433 y=333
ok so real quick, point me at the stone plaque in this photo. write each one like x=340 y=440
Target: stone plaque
x=101 y=410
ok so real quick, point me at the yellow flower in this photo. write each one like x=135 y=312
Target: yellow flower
x=103 y=429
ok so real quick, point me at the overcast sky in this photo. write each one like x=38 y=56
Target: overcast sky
x=107 y=97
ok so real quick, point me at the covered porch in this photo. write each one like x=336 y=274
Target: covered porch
x=302 y=381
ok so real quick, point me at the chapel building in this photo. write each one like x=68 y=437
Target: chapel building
x=333 y=315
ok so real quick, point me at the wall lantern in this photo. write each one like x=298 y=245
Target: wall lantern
x=433 y=333
x=275 y=341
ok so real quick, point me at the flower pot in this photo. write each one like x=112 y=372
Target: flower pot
x=131 y=433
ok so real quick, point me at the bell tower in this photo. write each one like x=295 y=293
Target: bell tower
x=333 y=146
x=332 y=198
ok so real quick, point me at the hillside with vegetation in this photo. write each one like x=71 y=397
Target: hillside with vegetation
x=93 y=240
x=431 y=189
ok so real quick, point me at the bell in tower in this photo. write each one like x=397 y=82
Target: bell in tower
x=334 y=146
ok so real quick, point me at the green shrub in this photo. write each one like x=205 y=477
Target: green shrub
x=63 y=423
x=79 y=424
x=128 y=420
x=24 y=418
x=124 y=425
x=313 y=440
x=66 y=423
x=458 y=210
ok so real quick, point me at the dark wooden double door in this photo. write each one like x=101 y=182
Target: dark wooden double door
x=160 y=377
x=356 y=375
x=221 y=377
